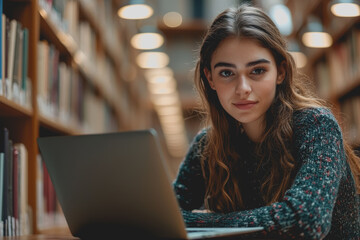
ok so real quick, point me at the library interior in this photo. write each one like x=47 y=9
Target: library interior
x=73 y=67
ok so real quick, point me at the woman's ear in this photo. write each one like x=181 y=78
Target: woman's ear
x=209 y=78
x=281 y=73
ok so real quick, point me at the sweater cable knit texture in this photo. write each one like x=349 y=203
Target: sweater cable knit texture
x=320 y=204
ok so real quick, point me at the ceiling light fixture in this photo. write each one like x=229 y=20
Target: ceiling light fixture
x=147 y=41
x=172 y=19
x=136 y=9
x=281 y=16
x=152 y=60
x=345 y=8
x=315 y=36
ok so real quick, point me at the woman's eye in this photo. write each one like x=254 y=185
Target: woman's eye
x=258 y=71
x=226 y=73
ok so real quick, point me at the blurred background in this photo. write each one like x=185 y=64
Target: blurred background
x=322 y=35
x=72 y=67
x=141 y=55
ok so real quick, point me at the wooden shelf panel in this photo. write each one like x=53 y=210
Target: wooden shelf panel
x=353 y=84
x=56 y=231
x=64 y=42
x=11 y=108
x=56 y=126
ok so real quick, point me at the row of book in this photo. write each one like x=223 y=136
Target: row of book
x=340 y=67
x=351 y=116
x=49 y=212
x=65 y=96
x=65 y=16
x=14 y=210
x=14 y=81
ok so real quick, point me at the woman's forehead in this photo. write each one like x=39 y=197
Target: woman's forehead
x=240 y=50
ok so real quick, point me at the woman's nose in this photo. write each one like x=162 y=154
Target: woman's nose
x=243 y=86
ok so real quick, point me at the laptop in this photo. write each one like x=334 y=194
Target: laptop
x=118 y=184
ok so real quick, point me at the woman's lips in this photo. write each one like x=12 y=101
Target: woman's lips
x=245 y=105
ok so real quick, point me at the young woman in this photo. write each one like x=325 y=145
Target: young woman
x=271 y=155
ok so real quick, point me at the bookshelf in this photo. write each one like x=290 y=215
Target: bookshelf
x=334 y=69
x=80 y=77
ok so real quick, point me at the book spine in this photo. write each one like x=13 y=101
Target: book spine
x=13 y=187
x=1 y=46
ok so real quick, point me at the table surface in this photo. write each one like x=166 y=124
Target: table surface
x=42 y=237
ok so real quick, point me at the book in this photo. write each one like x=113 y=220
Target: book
x=42 y=70
x=3 y=38
x=2 y=159
x=9 y=188
x=10 y=59
x=64 y=91
x=1 y=44
x=25 y=58
x=15 y=181
x=17 y=68
x=54 y=87
x=6 y=38
x=4 y=148
x=23 y=218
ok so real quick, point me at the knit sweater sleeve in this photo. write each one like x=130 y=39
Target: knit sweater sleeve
x=306 y=209
x=189 y=185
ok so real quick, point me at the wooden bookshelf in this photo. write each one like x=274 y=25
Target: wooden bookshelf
x=60 y=128
x=336 y=32
x=334 y=69
x=11 y=108
x=28 y=122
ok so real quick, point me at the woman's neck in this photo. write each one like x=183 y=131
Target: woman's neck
x=254 y=130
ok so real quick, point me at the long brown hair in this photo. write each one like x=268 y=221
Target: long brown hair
x=220 y=156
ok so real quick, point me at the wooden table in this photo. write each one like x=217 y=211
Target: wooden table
x=42 y=237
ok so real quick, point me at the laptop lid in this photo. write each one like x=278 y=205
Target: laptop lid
x=114 y=183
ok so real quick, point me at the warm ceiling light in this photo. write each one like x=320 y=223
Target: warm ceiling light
x=159 y=72
x=171 y=119
x=345 y=8
x=168 y=110
x=172 y=19
x=159 y=79
x=317 y=39
x=166 y=88
x=152 y=59
x=146 y=41
x=315 y=36
x=135 y=11
x=281 y=16
x=165 y=100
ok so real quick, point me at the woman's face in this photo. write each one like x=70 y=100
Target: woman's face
x=244 y=75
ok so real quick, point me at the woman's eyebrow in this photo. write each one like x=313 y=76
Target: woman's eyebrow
x=224 y=64
x=249 y=64
x=253 y=63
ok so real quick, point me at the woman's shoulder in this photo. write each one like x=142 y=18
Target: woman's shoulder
x=314 y=115
x=201 y=135
x=200 y=138
x=198 y=143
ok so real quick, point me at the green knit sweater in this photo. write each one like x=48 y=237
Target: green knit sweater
x=321 y=202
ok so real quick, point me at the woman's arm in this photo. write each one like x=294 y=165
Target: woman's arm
x=306 y=209
x=189 y=185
